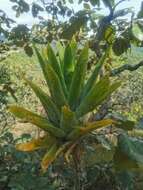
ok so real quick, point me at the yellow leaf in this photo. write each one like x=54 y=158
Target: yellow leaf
x=91 y=126
x=49 y=157
x=69 y=151
x=37 y=120
x=52 y=154
x=34 y=144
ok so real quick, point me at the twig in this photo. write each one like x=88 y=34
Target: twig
x=126 y=67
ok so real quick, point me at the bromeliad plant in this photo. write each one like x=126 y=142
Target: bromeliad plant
x=71 y=97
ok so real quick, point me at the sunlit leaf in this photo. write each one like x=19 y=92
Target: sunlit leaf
x=92 y=80
x=37 y=120
x=61 y=51
x=52 y=153
x=49 y=106
x=52 y=80
x=78 y=78
x=89 y=127
x=49 y=157
x=52 y=59
x=109 y=34
x=96 y=96
x=35 y=144
x=55 y=87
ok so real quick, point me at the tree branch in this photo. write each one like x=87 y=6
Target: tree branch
x=126 y=67
x=121 y=1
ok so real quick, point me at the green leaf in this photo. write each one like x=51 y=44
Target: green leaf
x=98 y=155
x=55 y=87
x=108 y=3
x=113 y=87
x=125 y=124
x=36 y=8
x=95 y=2
x=49 y=106
x=53 y=81
x=96 y=96
x=120 y=46
x=74 y=27
x=137 y=32
x=28 y=50
x=126 y=179
x=53 y=152
x=128 y=154
x=40 y=59
x=78 y=78
x=92 y=80
x=68 y=119
x=61 y=50
x=52 y=59
x=68 y=65
x=109 y=33
x=68 y=60
x=37 y=120
x=73 y=45
x=86 y=6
